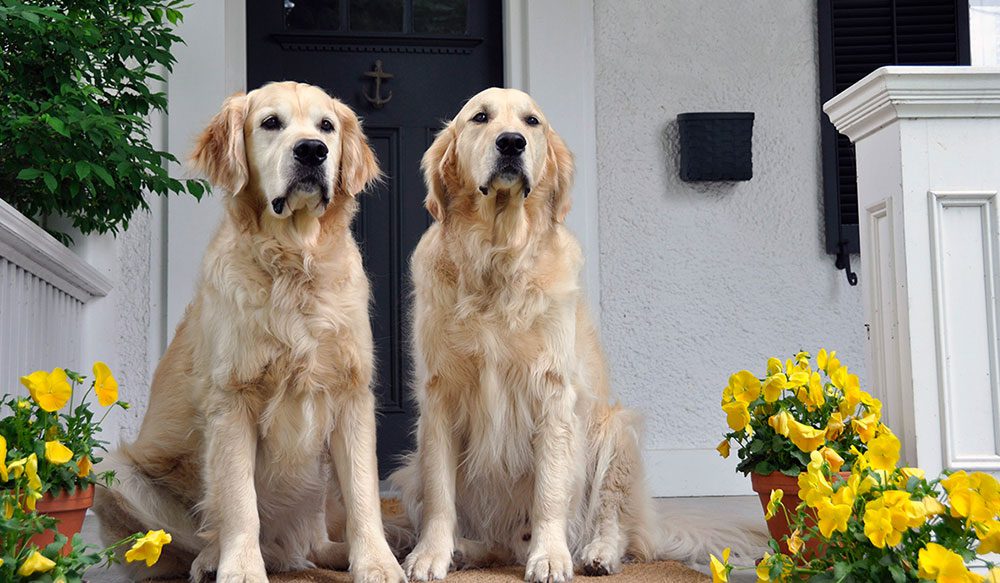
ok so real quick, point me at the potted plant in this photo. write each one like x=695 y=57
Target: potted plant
x=48 y=446
x=794 y=410
x=884 y=523
x=52 y=439
x=79 y=82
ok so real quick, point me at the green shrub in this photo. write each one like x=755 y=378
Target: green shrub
x=75 y=99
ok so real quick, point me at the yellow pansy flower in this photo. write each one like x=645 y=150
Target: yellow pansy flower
x=29 y=466
x=57 y=453
x=827 y=362
x=4 y=476
x=774 y=503
x=84 y=466
x=8 y=508
x=989 y=537
x=878 y=525
x=804 y=437
x=936 y=563
x=105 y=385
x=813 y=485
x=795 y=542
x=773 y=366
x=974 y=496
x=865 y=427
x=773 y=387
x=745 y=386
x=993 y=576
x=832 y=517
x=723 y=448
x=933 y=506
x=883 y=452
x=737 y=415
x=720 y=569
x=35 y=563
x=812 y=393
x=31 y=499
x=833 y=458
x=834 y=426
x=780 y=422
x=148 y=547
x=50 y=390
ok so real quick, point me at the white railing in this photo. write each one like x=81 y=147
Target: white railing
x=43 y=289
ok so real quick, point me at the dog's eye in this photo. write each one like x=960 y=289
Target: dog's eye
x=326 y=126
x=531 y=120
x=271 y=122
x=481 y=117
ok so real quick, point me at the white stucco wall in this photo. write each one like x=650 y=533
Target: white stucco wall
x=700 y=280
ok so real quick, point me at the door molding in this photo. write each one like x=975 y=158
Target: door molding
x=567 y=95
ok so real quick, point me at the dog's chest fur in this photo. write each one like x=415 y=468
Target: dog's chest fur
x=295 y=349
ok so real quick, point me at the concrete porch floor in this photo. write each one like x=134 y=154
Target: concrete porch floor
x=741 y=511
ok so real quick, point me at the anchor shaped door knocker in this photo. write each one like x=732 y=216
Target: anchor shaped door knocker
x=379 y=76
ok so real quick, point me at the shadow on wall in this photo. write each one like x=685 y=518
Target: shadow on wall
x=670 y=145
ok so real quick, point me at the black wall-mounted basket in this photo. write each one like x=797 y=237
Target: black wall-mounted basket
x=716 y=146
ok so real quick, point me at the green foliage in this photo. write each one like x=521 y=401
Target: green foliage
x=75 y=98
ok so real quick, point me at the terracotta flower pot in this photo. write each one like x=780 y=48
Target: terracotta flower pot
x=69 y=508
x=778 y=525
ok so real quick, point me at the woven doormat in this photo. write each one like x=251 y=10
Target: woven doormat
x=659 y=572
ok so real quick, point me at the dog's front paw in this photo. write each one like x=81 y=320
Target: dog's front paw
x=381 y=570
x=244 y=567
x=550 y=563
x=205 y=564
x=428 y=562
x=601 y=558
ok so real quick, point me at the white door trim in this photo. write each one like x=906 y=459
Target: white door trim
x=556 y=65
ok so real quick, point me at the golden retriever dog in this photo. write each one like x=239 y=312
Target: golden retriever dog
x=260 y=414
x=521 y=454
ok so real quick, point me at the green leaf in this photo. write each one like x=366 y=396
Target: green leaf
x=764 y=468
x=82 y=169
x=58 y=125
x=103 y=174
x=898 y=575
x=50 y=181
x=29 y=174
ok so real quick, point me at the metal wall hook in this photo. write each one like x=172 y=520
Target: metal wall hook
x=844 y=262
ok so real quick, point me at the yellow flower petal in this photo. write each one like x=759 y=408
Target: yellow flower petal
x=57 y=453
x=84 y=466
x=723 y=448
x=804 y=437
x=4 y=476
x=883 y=452
x=774 y=503
x=737 y=415
x=105 y=385
x=50 y=390
x=148 y=547
x=35 y=563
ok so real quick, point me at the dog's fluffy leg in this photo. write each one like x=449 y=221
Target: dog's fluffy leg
x=432 y=556
x=619 y=511
x=231 y=499
x=353 y=450
x=555 y=445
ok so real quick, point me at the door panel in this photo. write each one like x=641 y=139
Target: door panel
x=434 y=55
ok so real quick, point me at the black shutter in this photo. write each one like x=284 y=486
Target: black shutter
x=855 y=38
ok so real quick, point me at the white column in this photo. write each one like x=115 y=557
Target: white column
x=928 y=161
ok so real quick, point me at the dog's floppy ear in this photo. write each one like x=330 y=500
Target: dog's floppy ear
x=559 y=164
x=220 y=153
x=438 y=164
x=358 y=166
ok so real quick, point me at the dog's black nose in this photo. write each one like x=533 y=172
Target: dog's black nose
x=511 y=143
x=310 y=152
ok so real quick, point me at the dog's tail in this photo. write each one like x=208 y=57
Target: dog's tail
x=689 y=536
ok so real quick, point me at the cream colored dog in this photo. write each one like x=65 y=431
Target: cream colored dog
x=263 y=397
x=520 y=453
